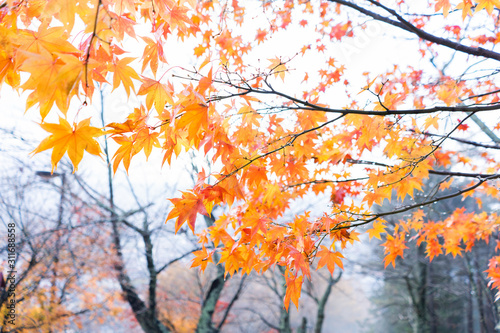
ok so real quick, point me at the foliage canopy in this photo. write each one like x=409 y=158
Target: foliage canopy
x=270 y=145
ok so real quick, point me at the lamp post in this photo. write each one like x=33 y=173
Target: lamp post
x=46 y=175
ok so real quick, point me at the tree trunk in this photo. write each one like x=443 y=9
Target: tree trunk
x=303 y=326
x=421 y=292
x=284 y=314
x=320 y=317
x=145 y=316
x=205 y=323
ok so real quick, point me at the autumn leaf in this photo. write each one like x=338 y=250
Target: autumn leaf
x=431 y=121
x=153 y=52
x=378 y=227
x=123 y=74
x=489 y=5
x=293 y=289
x=194 y=118
x=330 y=259
x=156 y=93
x=445 y=5
x=124 y=152
x=466 y=7
x=186 y=209
x=278 y=68
x=73 y=140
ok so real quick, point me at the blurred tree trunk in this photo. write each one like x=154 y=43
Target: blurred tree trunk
x=320 y=317
x=205 y=323
x=303 y=326
x=284 y=326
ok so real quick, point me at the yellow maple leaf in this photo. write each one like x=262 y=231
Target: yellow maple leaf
x=466 y=7
x=156 y=93
x=124 y=74
x=445 y=5
x=431 y=121
x=378 y=228
x=488 y=5
x=71 y=139
x=330 y=259
x=277 y=68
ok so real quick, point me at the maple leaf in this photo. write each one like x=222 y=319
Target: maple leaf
x=124 y=152
x=278 y=68
x=145 y=139
x=201 y=258
x=49 y=39
x=8 y=74
x=64 y=10
x=489 y=5
x=195 y=118
x=186 y=209
x=156 y=93
x=50 y=80
x=378 y=227
x=124 y=74
x=445 y=5
x=293 y=289
x=431 y=121
x=71 y=139
x=330 y=259
x=466 y=7
x=261 y=36
x=152 y=53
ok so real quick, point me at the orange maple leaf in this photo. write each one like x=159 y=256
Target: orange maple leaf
x=71 y=139
x=261 y=36
x=186 y=209
x=466 y=7
x=445 y=5
x=330 y=259
x=293 y=289
x=152 y=53
x=156 y=93
x=124 y=74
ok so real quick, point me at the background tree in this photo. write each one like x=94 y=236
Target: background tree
x=69 y=273
x=58 y=283
x=449 y=293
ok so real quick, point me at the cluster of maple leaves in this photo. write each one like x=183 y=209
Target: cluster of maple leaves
x=266 y=154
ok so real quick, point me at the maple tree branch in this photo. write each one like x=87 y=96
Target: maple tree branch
x=261 y=317
x=431 y=171
x=482 y=95
x=407 y=26
x=425 y=203
x=472 y=143
x=291 y=140
x=326 y=181
x=94 y=35
x=305 y=105
x=231 y=303
x=177 y=259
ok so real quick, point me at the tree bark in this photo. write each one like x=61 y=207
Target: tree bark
x=284 y=326
x=145 y=316
x=320 y=317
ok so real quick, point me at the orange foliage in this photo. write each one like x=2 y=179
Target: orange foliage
x=358 y=151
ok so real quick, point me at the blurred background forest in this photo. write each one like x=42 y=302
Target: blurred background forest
x=94 y=254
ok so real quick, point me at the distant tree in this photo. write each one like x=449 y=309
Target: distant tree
x=445 y=294
x=57 y=283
